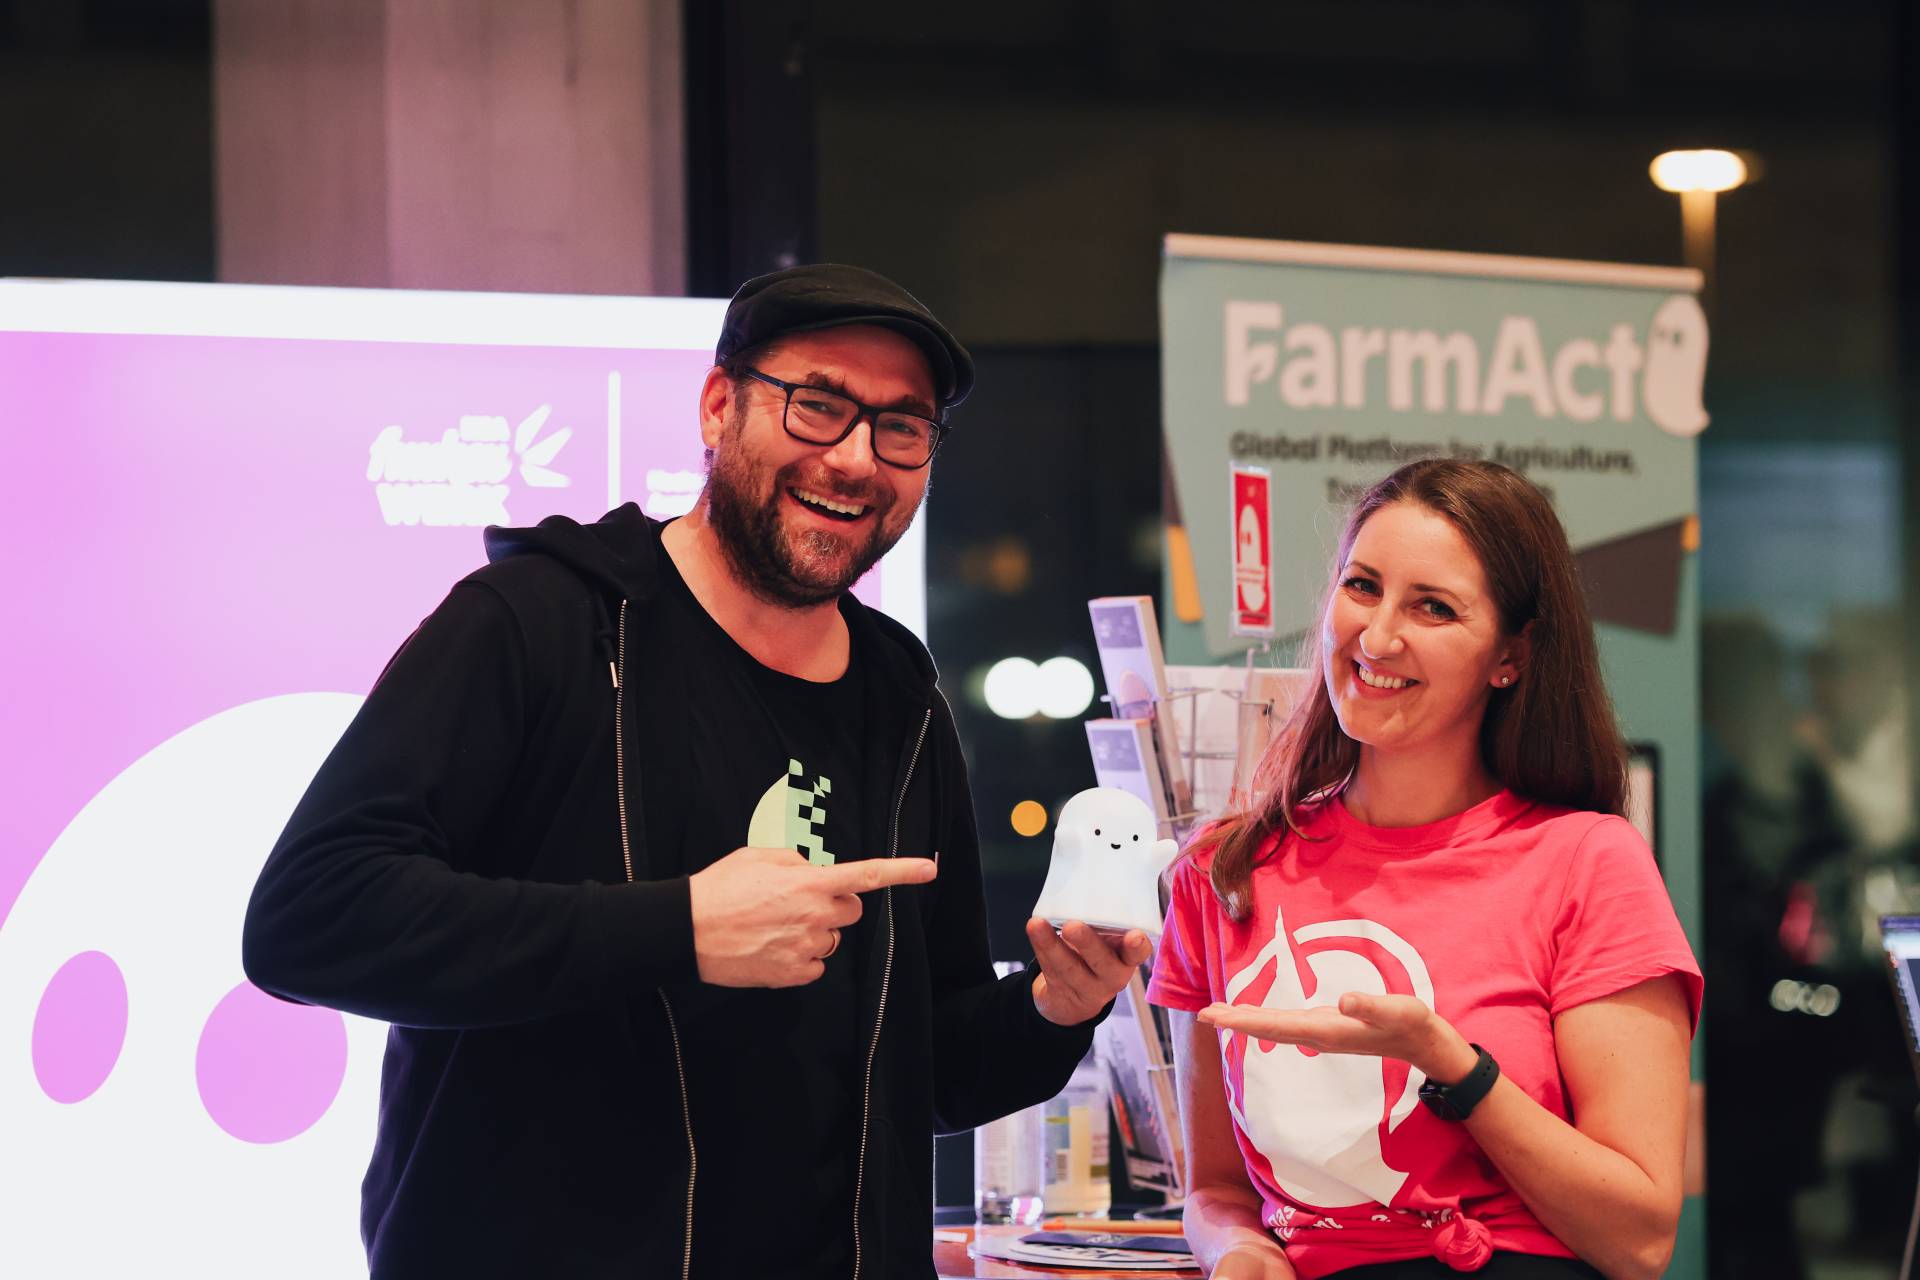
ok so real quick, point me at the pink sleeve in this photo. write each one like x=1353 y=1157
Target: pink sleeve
x=1180 y=962
x=1616 y=926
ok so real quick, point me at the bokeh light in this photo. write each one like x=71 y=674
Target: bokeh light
x=1029 y=817
x=1012 y=688
x=1697 y=171
x=1066 y=688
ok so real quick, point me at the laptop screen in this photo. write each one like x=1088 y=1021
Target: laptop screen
x=1901 y=937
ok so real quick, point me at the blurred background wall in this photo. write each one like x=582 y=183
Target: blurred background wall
x=1016 y=165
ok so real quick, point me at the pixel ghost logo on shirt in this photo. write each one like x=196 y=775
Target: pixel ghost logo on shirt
x=792 y=814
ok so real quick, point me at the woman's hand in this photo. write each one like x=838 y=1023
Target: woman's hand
x=1253 y=1262
x=1383 y=1026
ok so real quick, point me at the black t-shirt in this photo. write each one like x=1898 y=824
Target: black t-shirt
x=736 y=754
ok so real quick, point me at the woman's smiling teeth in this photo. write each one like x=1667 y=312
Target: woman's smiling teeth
x=846 y=511
x=1377 y=681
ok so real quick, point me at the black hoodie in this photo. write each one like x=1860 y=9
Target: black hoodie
x=470 y=864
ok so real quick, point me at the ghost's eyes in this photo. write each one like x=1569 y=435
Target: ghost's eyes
x=1096 y=831
x=1136 y=839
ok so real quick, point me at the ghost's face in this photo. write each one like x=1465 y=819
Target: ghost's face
x=1108 y=821
x=157 y=1105
x=1677 y=366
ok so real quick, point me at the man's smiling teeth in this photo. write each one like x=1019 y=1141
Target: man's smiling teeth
x=1379 y=681
x=808 y=496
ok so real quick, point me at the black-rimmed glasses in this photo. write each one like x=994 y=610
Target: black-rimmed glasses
x=819 y=416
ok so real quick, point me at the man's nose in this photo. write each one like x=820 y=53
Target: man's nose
x=853 y=456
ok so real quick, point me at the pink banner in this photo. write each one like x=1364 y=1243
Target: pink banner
x=195 y=523
x=211 y=547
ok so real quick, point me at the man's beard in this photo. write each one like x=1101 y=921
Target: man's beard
x=796 y=571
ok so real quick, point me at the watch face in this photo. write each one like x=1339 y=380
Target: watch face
x=1437 y=1101
x=1441 y=1098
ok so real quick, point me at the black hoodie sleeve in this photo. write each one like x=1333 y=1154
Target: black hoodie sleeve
x=370 y=902
x=993 y=1051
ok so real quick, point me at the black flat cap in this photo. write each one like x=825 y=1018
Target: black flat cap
x=824 y=295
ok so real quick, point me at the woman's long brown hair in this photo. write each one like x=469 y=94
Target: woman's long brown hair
x=1551 y=737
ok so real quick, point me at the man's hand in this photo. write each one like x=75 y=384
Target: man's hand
x=1079 y=970
x=769 y=918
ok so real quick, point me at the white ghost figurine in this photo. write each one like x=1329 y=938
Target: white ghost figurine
x=1106 y=863
x=1677 y=367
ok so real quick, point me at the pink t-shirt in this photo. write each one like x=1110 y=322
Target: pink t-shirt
x=1500 y=919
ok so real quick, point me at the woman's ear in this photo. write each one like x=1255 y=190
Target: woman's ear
x=1513 y=662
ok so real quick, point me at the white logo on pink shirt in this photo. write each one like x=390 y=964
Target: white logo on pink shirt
x=1319 y=1118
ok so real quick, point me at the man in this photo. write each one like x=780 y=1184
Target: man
x=656 y=848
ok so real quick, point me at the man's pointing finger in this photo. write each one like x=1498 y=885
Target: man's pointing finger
x=877 y=873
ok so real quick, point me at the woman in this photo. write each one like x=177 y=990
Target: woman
x=1434 y=899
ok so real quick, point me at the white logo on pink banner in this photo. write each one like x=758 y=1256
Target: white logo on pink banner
x=461 y=478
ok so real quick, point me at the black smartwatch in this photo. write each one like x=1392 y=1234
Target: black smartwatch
x=1456 y=1101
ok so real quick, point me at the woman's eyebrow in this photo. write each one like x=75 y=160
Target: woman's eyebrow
x=1372 y=572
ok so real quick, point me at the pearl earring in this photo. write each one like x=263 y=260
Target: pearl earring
x=1505 y=681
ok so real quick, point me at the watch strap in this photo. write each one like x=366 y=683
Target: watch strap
x=1456 y=1101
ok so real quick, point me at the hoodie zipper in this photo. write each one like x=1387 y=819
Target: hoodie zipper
x=619 y=750
x=626 y=855
x=886 y=978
